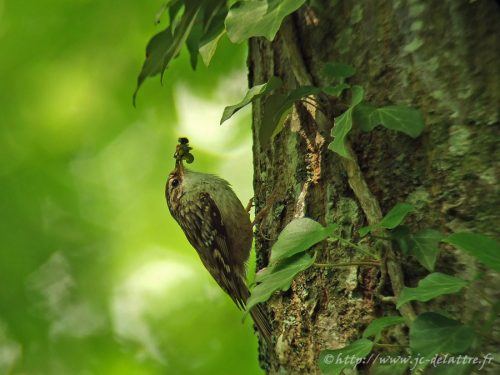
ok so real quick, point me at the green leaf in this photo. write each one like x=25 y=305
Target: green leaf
x=251 y=18
x=215 y=13
x=376 y=327
x=396 y=215
x=365 y=116
x=434 y=285
x=207 y=49
x=407 y=120
x=357 y=95
x=337 y=70
x=336 y=90
x=276 y=108
x=166 y=5
x=193 y=43
x=432 y=333
x=391 y=220
x=334 y=361
x=173 y=13
x=274 y=112
x=299 y=235
x=252 y=94
x=403 y=119
x=343 y=125
x=486 y=250
x=155 y=49
x=424 y=246
x=277 y=277
x=400 y=234
x=164 y=46
x=301 y=92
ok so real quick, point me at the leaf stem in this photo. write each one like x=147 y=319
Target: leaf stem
x=354 y=246
x=349 y=264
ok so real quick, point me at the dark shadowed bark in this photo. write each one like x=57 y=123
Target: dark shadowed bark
x=441 y=57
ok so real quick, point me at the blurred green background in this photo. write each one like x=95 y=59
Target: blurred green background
x=95 y=276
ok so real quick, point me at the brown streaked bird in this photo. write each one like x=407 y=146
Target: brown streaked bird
x=219 y=228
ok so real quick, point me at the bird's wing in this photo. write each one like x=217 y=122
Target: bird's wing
x=204 y=228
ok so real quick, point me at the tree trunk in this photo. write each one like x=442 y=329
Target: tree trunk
x=442 y=58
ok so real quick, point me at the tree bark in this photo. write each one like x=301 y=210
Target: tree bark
x=441 y=57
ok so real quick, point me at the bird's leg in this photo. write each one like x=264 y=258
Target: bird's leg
x=262 y=214
x=249 y=205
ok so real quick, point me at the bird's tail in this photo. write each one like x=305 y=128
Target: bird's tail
x=262 y=323
x=257 y=312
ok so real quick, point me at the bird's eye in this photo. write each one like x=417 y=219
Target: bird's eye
x=175 y=182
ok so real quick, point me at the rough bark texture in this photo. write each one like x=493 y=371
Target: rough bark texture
x=442 y=57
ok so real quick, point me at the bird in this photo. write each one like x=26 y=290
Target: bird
x=218 y=227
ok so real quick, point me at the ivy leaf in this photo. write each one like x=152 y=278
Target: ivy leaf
x=434 y=285
x=251 y=18
x=336 y=90
x=299 y=235
x=337 y=70
x=274 y=112
x=432 y=333
x=376 y=327
x=396 y=215
x=424 y=246
x=276 y=109
x=400 y=234
x=166 y=5
x=403 y=119
x=193 y=43
x=391 y=220
x=252 y=94
x=343 y=125
x=173 y=13
x=301 y=92
x=164 y=46
x=395 y=117
x=277 y=277
x=486 y=250
x=357 y=95
x=213 y=28
x=334 y=361
x=365 y=116
x=155 y=49
x=207 y=48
